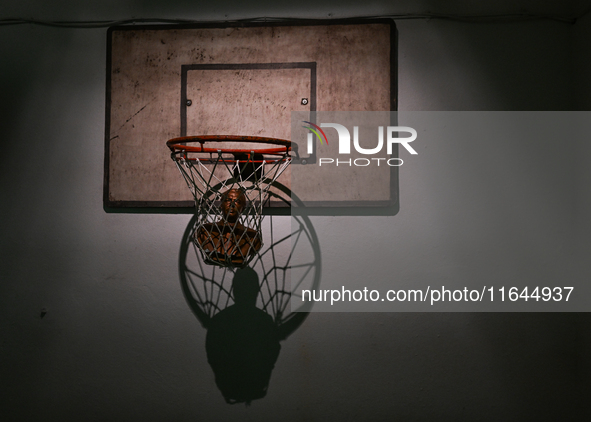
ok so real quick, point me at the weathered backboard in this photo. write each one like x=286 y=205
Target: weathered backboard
x=238 y=79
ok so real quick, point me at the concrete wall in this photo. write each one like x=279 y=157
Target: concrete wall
x=118 y=341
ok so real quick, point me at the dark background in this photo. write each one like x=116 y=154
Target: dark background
x=117 y=340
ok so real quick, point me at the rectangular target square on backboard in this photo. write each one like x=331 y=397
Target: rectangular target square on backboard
x=258 y=98
x=166 y=81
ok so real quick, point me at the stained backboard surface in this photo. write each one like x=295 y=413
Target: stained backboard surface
x=169 y=81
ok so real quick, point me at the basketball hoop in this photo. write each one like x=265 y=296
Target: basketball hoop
x=230 y=178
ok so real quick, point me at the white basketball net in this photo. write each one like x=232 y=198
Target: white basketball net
x=212 y=177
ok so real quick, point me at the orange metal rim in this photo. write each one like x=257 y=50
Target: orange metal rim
x=179 y=144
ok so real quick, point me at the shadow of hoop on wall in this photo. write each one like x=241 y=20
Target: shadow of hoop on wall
x=248 y=311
